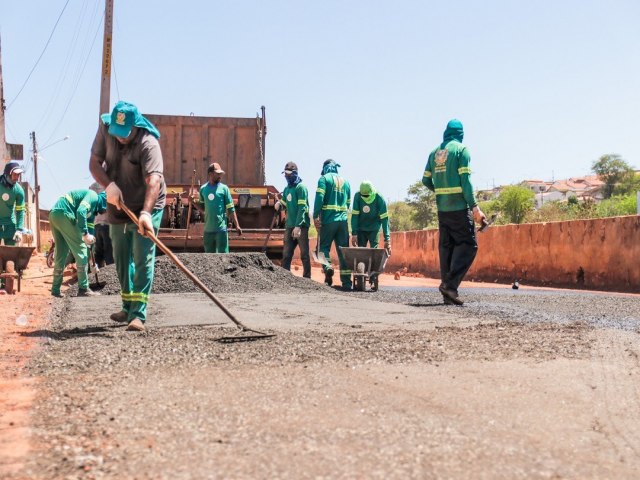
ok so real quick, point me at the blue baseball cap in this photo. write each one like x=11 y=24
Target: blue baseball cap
x=123 y=118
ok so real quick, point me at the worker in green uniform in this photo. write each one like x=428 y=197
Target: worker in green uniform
x=368 y=215
x=295 y=200
x=72 y=227
x=330 y=210
x=216 y=203
x=11 y=205
x=448 y=175
x=127 y=161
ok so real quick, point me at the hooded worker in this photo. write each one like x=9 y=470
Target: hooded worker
x=330 y=210
x=368 y=216
x=11 y=204
x=72 y=226
x=448 y=174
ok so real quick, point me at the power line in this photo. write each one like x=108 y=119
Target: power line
x=40 y=57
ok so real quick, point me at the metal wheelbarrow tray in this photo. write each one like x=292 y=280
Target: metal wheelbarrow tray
x=20 y=257
x=367 y=264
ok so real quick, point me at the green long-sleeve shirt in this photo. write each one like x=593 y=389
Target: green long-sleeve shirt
x=81 y=207
x=296 y=203
x=448 y=175
x=370 y=217
x=333 y=199
x=11 y=204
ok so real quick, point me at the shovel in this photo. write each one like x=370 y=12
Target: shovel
x=487 y=223
x=317 y=255
x=96 y=269
x=244 y=334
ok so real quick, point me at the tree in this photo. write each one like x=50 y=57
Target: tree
x=400 y=217
x=515 y=202
x=423 y=202
x=612 y=170
x=630 y=184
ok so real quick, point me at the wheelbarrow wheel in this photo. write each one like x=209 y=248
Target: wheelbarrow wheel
x=360 y=284
x=374 y=282
x=50 y=258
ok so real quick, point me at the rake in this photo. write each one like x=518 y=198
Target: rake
x=244 y=333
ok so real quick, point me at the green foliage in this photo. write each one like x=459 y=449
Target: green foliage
x=558 y=211
x=423 y=202
x=618 y=205
x=515 y=202
x=612 y=169
x=630 y=184
x=401 y=217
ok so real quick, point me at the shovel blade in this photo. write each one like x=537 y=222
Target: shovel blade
x=319 y=257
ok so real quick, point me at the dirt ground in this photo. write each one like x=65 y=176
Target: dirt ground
x=516 y=384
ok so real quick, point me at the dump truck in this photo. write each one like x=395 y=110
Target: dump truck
x=189 y=145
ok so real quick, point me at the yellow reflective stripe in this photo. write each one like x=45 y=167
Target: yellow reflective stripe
x=462 y=170
x=383 y=216
x=427 y=173
x=19 y=208
x=302 y=202
x=87 y=205
x=346 y=272
x=69 y=198
x=448 y=191
x=320 y=190
x=229 y=205
x=334 y=207
x=355 y=212
x=91 y=224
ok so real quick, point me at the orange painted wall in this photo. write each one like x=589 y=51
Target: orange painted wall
x=602 y=254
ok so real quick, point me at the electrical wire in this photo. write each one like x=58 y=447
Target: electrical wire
x=40 y=57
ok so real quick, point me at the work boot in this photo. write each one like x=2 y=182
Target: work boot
x=57 y=294
x=87 y=292
x=328 y=276
x=120 y=317
x=447 y=301
x=136 y=325
x=450 y=294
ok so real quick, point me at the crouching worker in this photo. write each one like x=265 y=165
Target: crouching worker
x=368 y=215
x=71 y=220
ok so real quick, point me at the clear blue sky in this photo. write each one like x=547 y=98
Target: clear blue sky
x=543 y=87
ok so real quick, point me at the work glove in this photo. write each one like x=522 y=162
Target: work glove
x=144 y=223
x=354 y=240
x=88 y=239
x=479 y=216
x=277 y=206
x=17 y=237
x=296 y=232
x=114 y=195
x=387 y=247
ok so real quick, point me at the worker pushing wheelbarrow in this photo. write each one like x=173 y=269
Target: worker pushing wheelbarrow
x=367 y=264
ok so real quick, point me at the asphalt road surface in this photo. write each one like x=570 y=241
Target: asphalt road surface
x=391 y=384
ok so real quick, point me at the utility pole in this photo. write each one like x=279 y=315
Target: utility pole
x=3 y=139
x=37 y=188
x=107 y=51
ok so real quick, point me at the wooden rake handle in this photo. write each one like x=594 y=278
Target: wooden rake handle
x=186 y=271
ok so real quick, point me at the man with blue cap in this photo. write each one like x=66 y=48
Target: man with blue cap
x=127 y=161
x=330 y=211
x=72 y=226
x=448 y=175
x=11 y=204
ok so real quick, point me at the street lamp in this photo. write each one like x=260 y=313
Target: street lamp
x=37 y=185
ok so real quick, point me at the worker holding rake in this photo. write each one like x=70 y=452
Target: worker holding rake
x=126 y=159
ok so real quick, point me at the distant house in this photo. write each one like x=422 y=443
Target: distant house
x=588 y=187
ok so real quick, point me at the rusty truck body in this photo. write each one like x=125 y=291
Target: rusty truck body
x=189 y=145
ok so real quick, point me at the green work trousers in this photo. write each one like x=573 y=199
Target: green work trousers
x=216 y=242
x=135 y=256
x=368 y=237
x=337 y=232
x=68 y=238
x=6 y=233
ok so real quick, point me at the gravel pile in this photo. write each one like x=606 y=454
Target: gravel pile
x=221 y=273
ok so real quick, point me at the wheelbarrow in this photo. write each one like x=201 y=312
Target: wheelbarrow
x=20 y=257
x=367 y=263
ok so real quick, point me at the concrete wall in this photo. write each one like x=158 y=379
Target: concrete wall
x=602 y=254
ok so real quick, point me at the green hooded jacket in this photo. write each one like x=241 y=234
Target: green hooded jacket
x=369 y=212
x=81 y=207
